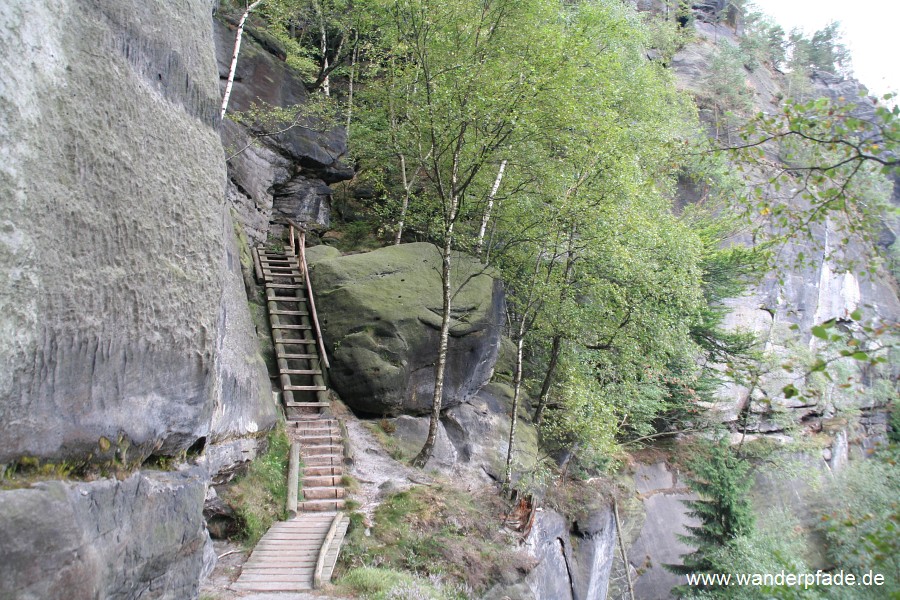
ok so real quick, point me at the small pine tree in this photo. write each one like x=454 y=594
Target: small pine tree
x=722 y=480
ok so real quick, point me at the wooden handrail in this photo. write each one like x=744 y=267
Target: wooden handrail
x=323 y=551
x=309 y=292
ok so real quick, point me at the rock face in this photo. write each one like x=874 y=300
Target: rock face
x=124 y=326
x=573 y=564
x=806 y=296
x=122 y=311
x=665 y=519
x=283 y=175
x=143 y=537
x=380 y=315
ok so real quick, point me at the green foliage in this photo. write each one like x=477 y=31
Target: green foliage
x=259 y=496
x=894 y=424
x=763 y=41
x=833 y=162
x=861 y=521
x=775 y=546
x=722 y=481
x=824 y=51
x=440 y=532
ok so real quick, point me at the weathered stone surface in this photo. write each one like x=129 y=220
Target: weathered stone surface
x=411 y=433
x=121 y=314
x=380 y=315
x=143 y=537
x=806 y=296
x=549 y=543
x=594 y=540
x=665 y=518
x=282 y=175
x=479 y=429
x=573 y=562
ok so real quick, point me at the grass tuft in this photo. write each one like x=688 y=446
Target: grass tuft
x=259 y=496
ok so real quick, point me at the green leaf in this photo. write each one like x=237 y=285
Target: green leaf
x=856 y=315
x=820 y=332
x=860 y=355
x=790 y=391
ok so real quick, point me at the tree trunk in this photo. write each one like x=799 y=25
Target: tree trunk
x=558 y=338
x=353 y=58
x=517 y=387
x=237 y=50
x=323 y=48
x=425 y=453
x=405 y=206
x=487 y=209
x=548 y=379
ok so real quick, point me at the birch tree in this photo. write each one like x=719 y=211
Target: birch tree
x=229 y=83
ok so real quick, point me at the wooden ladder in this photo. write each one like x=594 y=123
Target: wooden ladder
x=296 y=334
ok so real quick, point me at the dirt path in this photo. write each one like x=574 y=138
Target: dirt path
x=377 y=473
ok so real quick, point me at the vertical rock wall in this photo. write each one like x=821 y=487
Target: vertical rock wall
x=282 y=175
x=124 y=326
x=119 y=314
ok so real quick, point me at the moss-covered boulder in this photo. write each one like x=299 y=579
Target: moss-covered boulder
x=381 y=315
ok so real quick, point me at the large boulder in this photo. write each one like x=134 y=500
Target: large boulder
x=143 y=537
x=665 y=518
x=381 y=317
x=479 y=430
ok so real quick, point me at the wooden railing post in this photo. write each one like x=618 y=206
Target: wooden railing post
x=293 y=480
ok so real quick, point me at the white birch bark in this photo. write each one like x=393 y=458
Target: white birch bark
x=234 y=59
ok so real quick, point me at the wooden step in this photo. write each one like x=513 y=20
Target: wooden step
x=287 y=342
x=323 y=461
x=294 y=356
x=318 y=425
x=320 y=505
x=332 y=432
x=272 y=586
x=319 y=436
x=316 y=439
x=323 y=470
x=294 y=299
x=321 y=481
x=323 y=493
x=301 y=371
x=306 y=388
x=318 y=450
x=302 y=327
x=301 y=313
x=285 y=286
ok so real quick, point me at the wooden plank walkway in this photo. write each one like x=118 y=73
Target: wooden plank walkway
x=300 y=553
x=285 y=558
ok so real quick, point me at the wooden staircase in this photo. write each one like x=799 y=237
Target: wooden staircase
x=300 y=553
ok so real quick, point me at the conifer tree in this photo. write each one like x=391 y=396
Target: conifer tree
x=722 y=480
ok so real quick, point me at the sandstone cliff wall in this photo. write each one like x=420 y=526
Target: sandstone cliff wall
x=120 y=314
